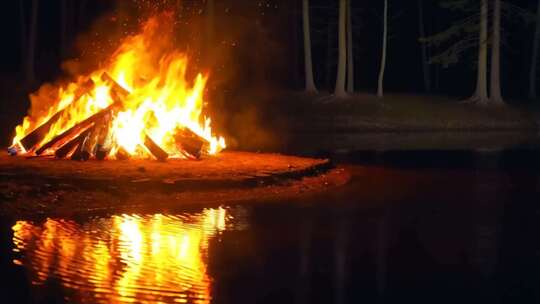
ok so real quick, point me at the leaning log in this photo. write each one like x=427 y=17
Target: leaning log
x=155 y=149
x=117 y=93
x=88 y=147
x=78 y=128
x=71 y=145
x=104 y=140
x=78 y=154
x=34 y=137
x=189 y=143
x=122 y=154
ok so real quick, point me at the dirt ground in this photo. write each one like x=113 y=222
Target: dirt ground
x=42 y=187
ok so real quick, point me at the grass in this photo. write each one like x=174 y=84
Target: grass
x=395 y=112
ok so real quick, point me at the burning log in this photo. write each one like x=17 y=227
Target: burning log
x=78 y=128
x=81 y=153
x=89 y=144
x=14 y=150
x=33 y=138
x=77 y=154
x=70 y=146
x=156 y=150
x=189 y=142
x=104 y=141
x=122 y=154
x=118 y=93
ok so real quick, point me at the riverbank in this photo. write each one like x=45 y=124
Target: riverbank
x=50 y=187
x=404 y=113
x=307 y=124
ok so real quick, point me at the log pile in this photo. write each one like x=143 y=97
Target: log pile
x=92 y=137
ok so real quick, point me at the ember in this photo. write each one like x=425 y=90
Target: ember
x=141 y=105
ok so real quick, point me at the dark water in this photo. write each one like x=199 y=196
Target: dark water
x=419 y=226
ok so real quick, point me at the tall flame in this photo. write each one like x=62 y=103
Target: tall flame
x=162 y=101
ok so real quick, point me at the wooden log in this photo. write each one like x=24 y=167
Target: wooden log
x=118 y=93
x=90 y=142
x=34 y=137
x=71 y=145
x=189 y=143
x=14 y=150
x=78 y=128
x=104 y=142
x=122 y=154
x=78 y=154
x=156 y=150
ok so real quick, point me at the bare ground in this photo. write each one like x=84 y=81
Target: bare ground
x=48 y=187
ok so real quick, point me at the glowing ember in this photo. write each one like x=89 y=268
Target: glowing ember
x=147 y=96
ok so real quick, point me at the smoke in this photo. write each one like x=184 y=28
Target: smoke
x=231 y=42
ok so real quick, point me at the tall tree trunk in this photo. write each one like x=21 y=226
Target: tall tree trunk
x=425 y=63
x=481 y=94
x=534 y=58
x=380 y=88
x=23 y=37
x=308 y=63
x=30 y=54
x=350 y=50
x=495 y=87
x=342 y=61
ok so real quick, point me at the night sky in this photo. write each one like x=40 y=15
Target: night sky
x=270 y=49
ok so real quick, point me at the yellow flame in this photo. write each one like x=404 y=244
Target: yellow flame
x=162 y=100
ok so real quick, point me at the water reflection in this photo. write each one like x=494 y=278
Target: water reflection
x=126 y=258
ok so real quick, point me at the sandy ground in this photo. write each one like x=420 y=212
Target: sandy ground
x=47 y=187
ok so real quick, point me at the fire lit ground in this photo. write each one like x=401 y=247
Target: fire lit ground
x=139 y=108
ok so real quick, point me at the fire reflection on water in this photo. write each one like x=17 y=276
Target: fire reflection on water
x=125 y=258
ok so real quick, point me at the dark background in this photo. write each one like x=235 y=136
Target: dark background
x=259 y=48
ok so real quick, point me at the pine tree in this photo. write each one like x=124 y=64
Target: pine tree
x=472 y=32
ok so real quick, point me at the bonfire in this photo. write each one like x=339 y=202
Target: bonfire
x=141 y=104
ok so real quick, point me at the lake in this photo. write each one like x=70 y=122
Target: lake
x=446 y=226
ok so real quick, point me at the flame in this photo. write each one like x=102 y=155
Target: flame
x=162 y=99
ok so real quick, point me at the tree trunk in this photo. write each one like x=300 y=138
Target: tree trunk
x=380 y=88
x=23 y=37
x=495 y=87
x=342 y=61
x=425 y=63
x=481 y=94
x=30 y=53
x=534 y=58
x=350 y=50
x=308 y=64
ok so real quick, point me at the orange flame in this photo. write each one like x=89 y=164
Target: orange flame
x=162 y=100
